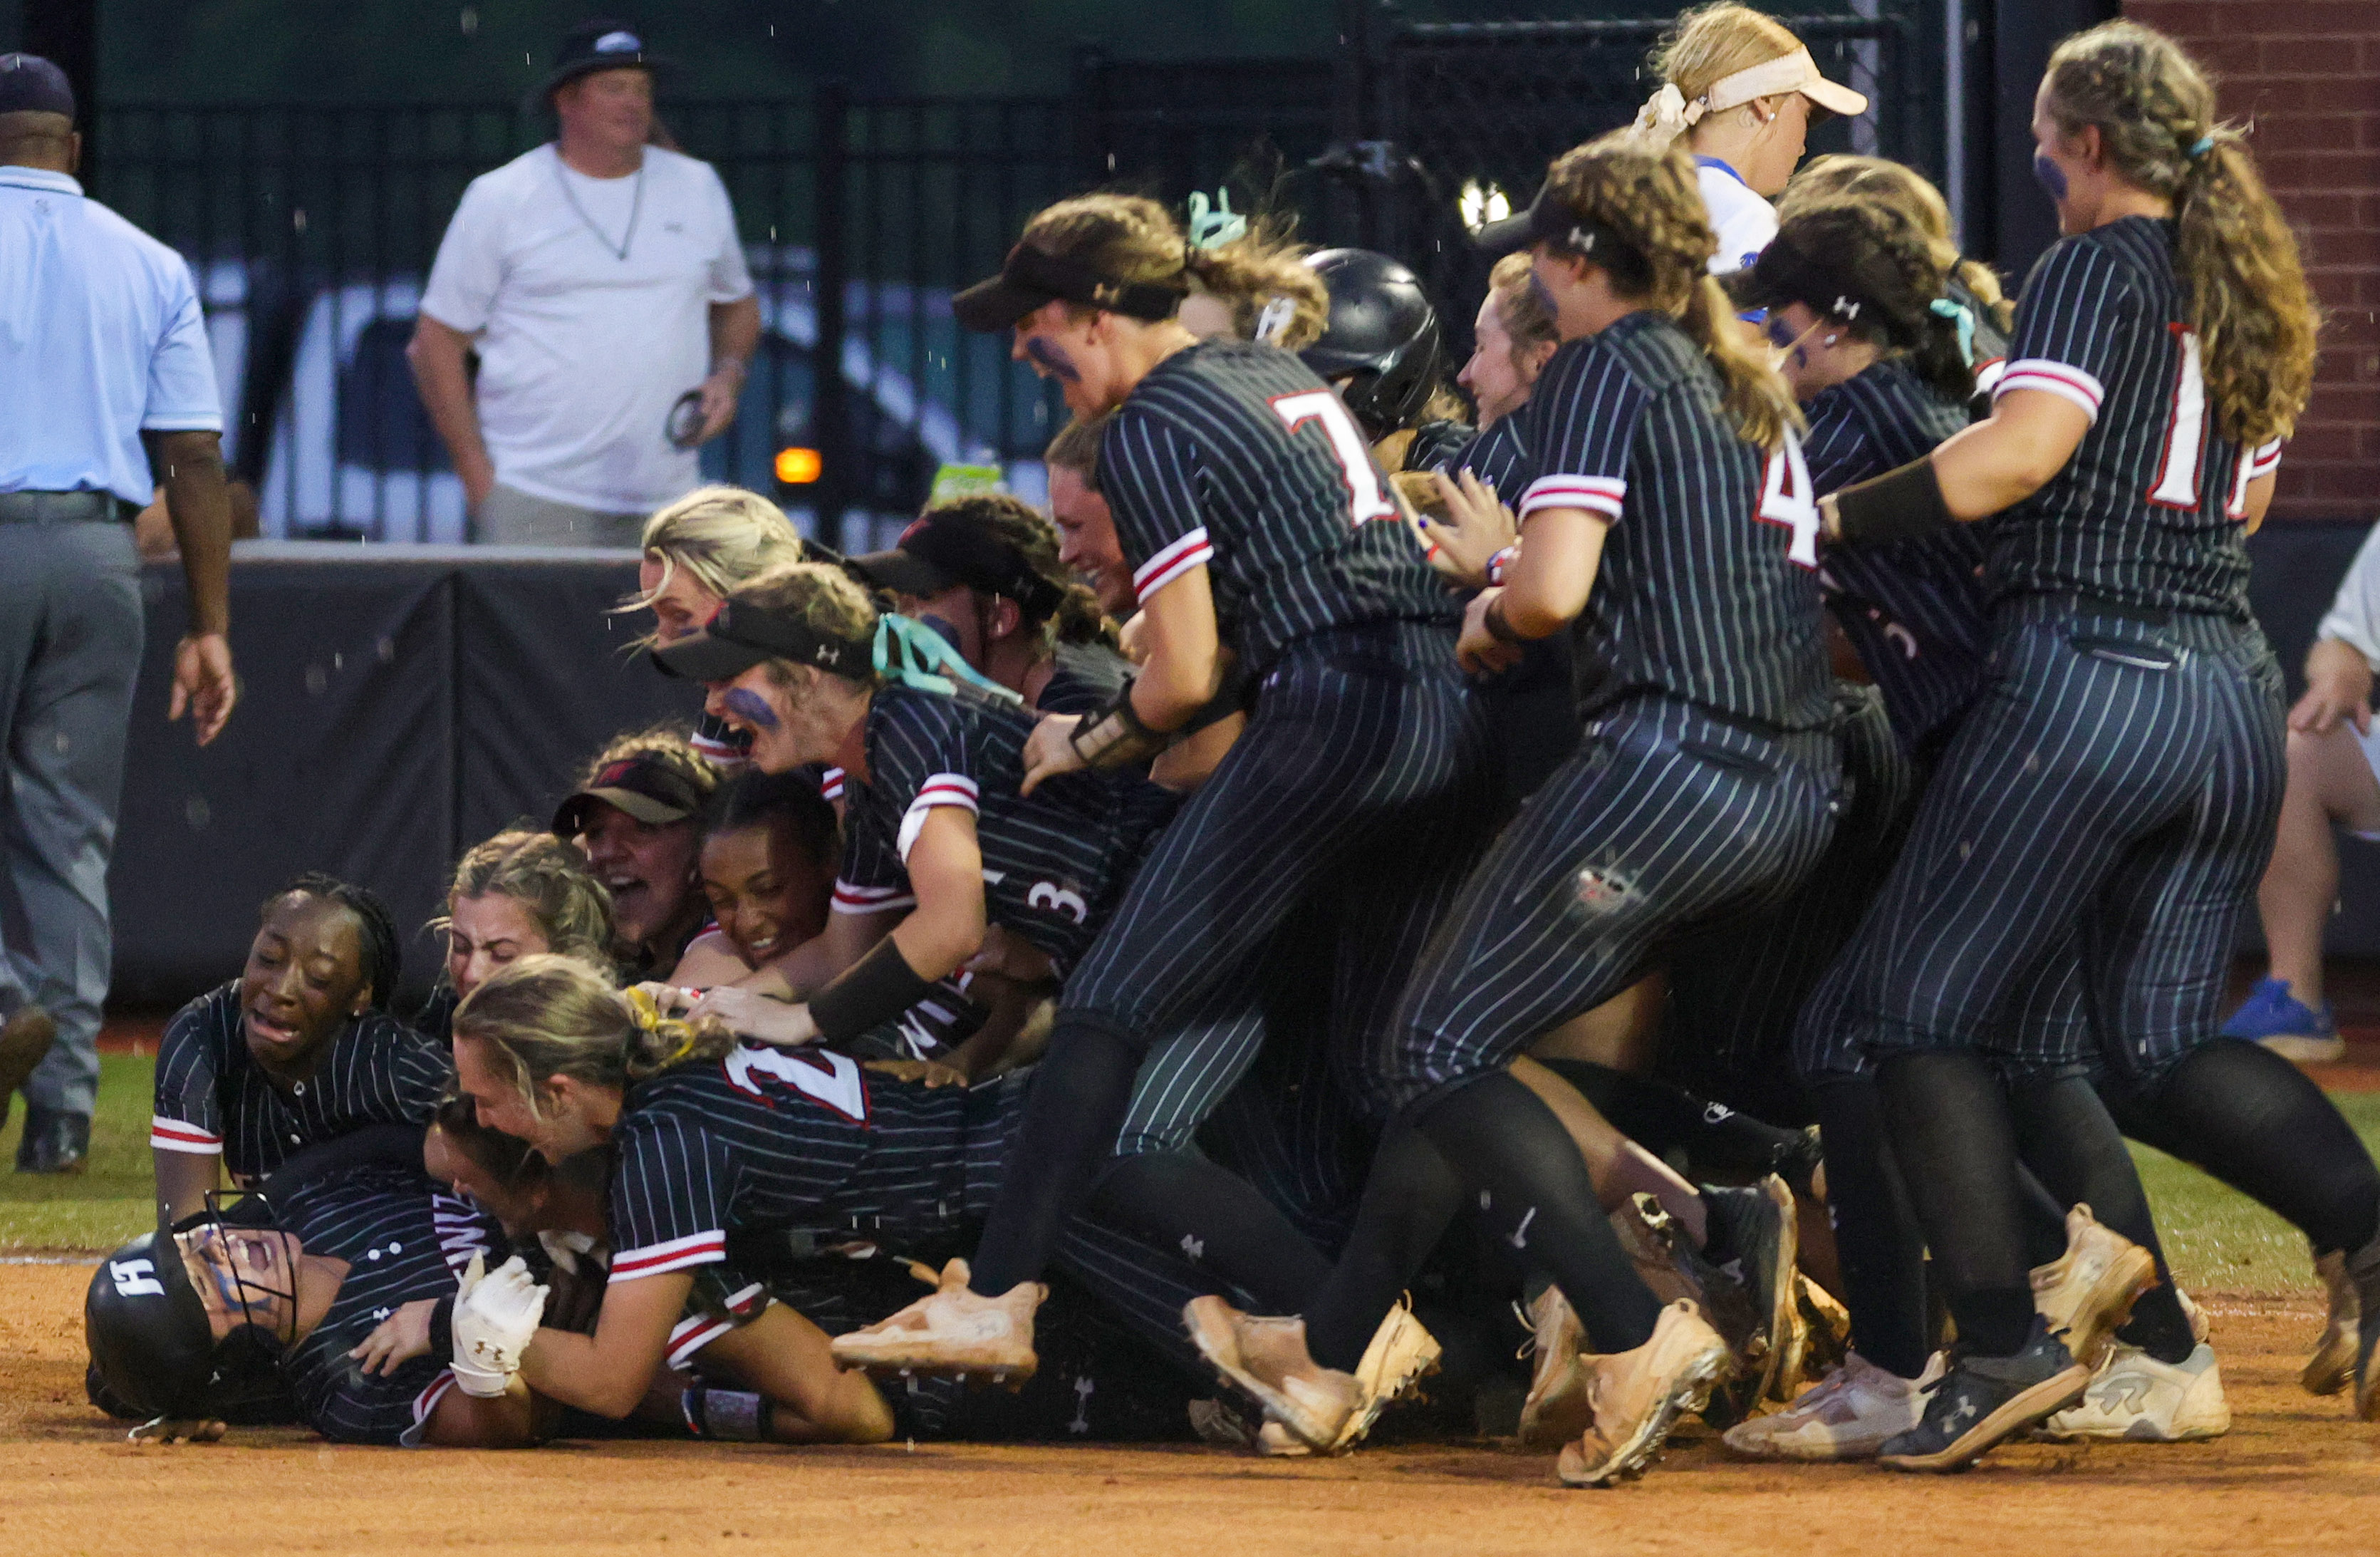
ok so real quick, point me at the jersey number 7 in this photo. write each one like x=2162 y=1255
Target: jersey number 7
x=1786 y=499
x=1364 y=499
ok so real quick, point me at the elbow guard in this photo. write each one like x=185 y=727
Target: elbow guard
x=1116 y=737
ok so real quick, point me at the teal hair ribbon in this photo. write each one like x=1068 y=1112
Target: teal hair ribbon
x=2200 y=147
x=1209 y=228
x=916 y=655
x=1965 y=317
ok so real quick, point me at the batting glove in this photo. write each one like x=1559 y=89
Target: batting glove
x=495 y=1319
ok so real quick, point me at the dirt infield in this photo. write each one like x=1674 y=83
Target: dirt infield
x=2293 y=1475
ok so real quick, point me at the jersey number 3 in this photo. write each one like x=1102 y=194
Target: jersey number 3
x=1364 y=499
x=1786 y=499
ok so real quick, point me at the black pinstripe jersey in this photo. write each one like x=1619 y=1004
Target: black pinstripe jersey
x=1914 y=609
x=1708 y=587
x=1497 y=457
x=1053 y=861
x=2147 y=512
x=771 y=1139
x=1086 y=679
x=403 y=1239
x=214 y=1098
x=1236 y=456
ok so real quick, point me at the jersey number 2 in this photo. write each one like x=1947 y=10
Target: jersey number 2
x=1786 y=499
x=1364 y=499
x=821 y=1075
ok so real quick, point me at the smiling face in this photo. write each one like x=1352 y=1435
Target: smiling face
x=485 y=933
x=681 y=606
x=612 y=109
x=788 y=726
x=647 y=866
x=1494 y=379
x=304 y=980
x=1086 y=540
x=767 y=894
x=243 y=1275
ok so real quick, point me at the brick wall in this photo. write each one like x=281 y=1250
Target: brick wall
x=2307 y=73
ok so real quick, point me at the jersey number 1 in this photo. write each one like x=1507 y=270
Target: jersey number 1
x=1786 y=499
x=1364 y=499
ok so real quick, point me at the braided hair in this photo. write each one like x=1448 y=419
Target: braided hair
x=379 y=950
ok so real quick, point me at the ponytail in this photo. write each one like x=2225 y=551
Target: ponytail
x=1755 y=398
x=551 y=1015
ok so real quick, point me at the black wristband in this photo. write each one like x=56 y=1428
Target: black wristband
x=1234 y=694
x=876 y=988
x=442 y=1328
x=1499 y=629
x=1116 y=737
x=1898 y=505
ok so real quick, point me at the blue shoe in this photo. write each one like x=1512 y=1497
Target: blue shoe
x=2286 y=1025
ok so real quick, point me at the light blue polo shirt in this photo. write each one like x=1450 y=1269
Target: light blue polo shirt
x=100 y=339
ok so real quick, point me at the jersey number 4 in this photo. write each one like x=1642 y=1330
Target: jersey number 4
x=1786 y=499
x=1366 y=501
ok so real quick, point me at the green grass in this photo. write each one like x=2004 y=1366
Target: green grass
x=2218 y=1241
x=104 y=1206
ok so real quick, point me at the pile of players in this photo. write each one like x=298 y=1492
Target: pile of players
x=1218 y=940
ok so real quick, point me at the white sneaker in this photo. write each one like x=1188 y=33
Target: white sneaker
x=2136 y=1397
x=1847 y=1416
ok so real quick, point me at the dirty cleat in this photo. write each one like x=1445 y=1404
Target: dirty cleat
x=2136 y=1398
x=1265 y=1355
x=1982 y=1400
x=1557 y=1409
x=2277 y=1018
x=2364 y=1271
x=951 y=1330
x=1753 y=1241
x=1637 y=1397
x=2087 y=1292
x=1402 y=1352
x=2332 y=1367
x=1847 y=1416
x=1825 y=1332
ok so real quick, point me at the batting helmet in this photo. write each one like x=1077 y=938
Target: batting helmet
x=1382 y=339
x=153 y=1346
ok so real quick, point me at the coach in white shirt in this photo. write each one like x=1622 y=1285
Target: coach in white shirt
x=601 y=282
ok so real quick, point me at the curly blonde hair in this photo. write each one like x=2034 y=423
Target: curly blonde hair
x=1648 y=197
x=549 y=878
x=2244 y=284
x=548 y=1015
x=718 y=536
x=1132 y=239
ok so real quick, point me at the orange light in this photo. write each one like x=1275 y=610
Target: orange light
x=798 y=467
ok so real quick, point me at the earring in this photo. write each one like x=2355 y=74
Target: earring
x=1832 y=339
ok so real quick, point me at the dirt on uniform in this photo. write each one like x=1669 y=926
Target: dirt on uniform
x=2295 y=1474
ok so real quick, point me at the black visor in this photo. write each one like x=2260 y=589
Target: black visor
x=742 y=636
x=1029 y=277
x=1549 y=219
x=1784 y=274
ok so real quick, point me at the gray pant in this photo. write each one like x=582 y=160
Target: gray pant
x=507 y=517
x=70 y=630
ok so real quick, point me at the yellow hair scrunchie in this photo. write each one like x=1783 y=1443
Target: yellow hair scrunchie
x=647 y=1013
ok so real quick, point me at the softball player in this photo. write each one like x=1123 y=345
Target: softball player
x=1668 y=496
x=2155 y=347
x=297 y=1050
x=207 y=1323
x=515 y=895
x=696 y=552
x=713 y=1140
x=1243 y=492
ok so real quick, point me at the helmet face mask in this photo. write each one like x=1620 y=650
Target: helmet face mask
x=1382 y=346
x=152 y=1336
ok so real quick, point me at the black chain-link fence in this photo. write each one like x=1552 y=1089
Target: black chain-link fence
x=311 y=230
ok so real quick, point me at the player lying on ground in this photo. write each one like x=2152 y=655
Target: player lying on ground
x=298 y=1050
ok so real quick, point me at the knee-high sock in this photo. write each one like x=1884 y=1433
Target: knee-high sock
x=1876 y=1236
x=1217 y=1221
x=1409 y=1199
x=1948 y=1120
x=1716 y=1140
x=1080 y=1092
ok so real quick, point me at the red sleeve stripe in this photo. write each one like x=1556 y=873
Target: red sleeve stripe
x=1597 y=494
x=850 y=899
x=677 y=1254
x=2057 y=377
x=2265 y=460
x=830 y=784
x=1176 y=560
x=427 y=1402
x=173 y=1135
x=692 y=1334
x=946 y=789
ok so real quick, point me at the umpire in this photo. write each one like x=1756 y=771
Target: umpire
x=105 y=389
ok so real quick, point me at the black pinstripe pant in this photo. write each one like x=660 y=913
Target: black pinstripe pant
x=1354 y=802
x=2120 y=775
x=1664 y=821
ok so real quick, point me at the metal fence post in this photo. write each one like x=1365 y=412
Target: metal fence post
x=830 y=397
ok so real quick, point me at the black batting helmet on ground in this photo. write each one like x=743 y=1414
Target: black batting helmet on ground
x=153 y=1347
x=1382 y=340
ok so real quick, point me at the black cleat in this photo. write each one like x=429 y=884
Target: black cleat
x=54 y=1141
x=1752 y=1244
x=1983 y=1401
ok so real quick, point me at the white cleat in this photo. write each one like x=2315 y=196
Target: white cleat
x=2136 y=1398
x=1849 y=1415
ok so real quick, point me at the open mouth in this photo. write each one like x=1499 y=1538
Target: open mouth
x=265 y=1030
x=761 y=947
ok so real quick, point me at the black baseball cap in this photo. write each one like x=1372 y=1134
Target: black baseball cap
x=1785 y=273
x=643 y=785
x=950 y=545
x=29 y=84
x=604 y=43
x=1030 y=277
x=1551 y=219
x=743 y=634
